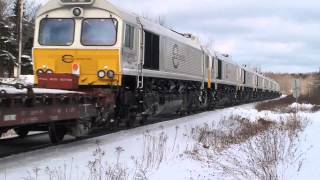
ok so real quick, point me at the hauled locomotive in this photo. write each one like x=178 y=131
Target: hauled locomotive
x=132 y=68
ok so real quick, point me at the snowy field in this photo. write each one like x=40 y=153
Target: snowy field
x=201 y=146
x=24 y=79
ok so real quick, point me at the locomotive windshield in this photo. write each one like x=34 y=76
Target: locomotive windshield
x=56 y=32
x=99 y=32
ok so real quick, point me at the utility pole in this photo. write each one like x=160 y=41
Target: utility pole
x=19 y=39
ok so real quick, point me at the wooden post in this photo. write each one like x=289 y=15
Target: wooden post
x=19 y=39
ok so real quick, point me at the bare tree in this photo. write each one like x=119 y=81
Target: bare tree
x=4 y=8
x=31 y=10
x=1 y=7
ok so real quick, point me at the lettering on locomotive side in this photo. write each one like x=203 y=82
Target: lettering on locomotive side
x=67 y=58
x=70 y=59
x=176 y=56
x=175 y=61
x=11 y=117
x=54 y=118
x=65 y=79
x=36 y=112
x=32 y=119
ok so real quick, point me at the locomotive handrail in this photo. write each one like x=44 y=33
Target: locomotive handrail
x=141 y=56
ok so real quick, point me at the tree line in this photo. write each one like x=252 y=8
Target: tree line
x=9 y=29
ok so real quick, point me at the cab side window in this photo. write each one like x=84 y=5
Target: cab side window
x=129 y=36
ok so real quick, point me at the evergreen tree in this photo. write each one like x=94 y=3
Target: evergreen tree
x=7 y=45
x=9 y=28
x=16 y=9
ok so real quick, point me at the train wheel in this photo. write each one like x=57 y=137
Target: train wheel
x=56 y=132
x=131 y=119
x=182 y=112
x=114 y=123
x=21 y=132
x=144 y=119
x=1 y=133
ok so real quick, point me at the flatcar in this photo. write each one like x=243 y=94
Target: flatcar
x=136 y=67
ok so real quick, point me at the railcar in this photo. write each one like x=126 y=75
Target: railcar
x=102 y=47
x=234 y=83
x=130 y=67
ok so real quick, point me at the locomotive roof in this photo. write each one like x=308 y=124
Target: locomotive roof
x=56 y=4
x=225 y=57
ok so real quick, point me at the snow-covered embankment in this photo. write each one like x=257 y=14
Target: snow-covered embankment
x=176 y=150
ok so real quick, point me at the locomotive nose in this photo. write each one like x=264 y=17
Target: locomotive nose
x=83 y=63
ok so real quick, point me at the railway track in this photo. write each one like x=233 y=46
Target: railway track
x=16 y=145
x=41 y=110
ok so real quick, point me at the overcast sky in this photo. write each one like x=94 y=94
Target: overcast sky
x=278 y=36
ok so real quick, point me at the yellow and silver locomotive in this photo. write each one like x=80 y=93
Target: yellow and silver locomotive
x=140 y=67
x=80 y=38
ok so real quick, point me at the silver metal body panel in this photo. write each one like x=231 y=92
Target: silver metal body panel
x=250 y=77
x=260 y=82
x=230 y=72
x=179 y=58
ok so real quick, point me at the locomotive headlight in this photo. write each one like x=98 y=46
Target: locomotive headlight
x=77 y=12
x=49 y=71
x=101 y=74
x=110 y=74
x=40 y=72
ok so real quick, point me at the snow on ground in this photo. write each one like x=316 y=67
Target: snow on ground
x=28 y=80
x=11 y=134
x=12 y=90
x=301 y=107
x=310 y=169
x=8 y=134
x=154 y=152
x=24 y=79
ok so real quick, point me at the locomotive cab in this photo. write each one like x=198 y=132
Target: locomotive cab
x=77 y=43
